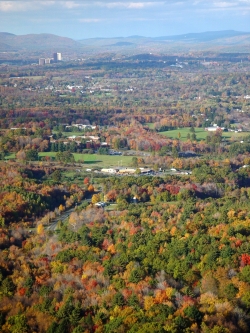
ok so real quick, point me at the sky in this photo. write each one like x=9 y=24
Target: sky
x=123 y=18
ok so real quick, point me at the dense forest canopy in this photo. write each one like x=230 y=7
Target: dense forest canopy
x=124 y=195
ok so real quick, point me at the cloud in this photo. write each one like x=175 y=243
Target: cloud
x=13 y=6
x=70 y=4
x=128 y=4
x=225 y=4
x=90 y=20
x=21 y=6
x=18 y=5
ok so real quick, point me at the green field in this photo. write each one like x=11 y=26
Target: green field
x=36 y=77
x=150 y=125
x=10 y=156
x=201 y=134
x=32 y=77
x=67 y=134
x=97 y=160
x=91 y=159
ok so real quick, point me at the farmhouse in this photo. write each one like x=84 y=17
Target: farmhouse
x=82 y=126
x=127 y=171
x=110 y=170
x=214 y=128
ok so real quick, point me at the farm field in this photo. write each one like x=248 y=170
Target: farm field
x=89 y=159
x=97 y=160
x=32 y=77
x=150 y=125
x=201 y=134
x=67 y=134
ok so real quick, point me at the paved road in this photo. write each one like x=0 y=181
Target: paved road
x=63 y=217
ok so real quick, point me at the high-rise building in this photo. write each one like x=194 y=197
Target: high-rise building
x=57 y=57
x=42 y=61
x=47 y=61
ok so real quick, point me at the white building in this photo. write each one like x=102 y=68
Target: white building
x=42 y=61
x=57 y=56
x=110 y=170
x=214 y=128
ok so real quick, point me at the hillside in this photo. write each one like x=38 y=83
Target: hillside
x=220 y=41
x=32 y=42
x=217 y=41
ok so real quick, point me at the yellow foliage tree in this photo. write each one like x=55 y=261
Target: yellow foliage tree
x=61 y=208
x=177 y=163
x=40 y=229
x=148 y=302
x=95 y=198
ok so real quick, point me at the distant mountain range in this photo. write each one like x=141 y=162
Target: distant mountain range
x=35 y=42
x=221 y=41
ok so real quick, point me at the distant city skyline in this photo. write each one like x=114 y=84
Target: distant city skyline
x=122 y=18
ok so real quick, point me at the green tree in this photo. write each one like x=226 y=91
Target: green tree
x=57 y=176
x=134 y=161
x=18 y=324
x=31 y=155
x=193 y=313
x=118 y=299
x=245 y=274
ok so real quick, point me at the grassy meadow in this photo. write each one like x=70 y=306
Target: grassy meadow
x=200 y=133
x=97 y=160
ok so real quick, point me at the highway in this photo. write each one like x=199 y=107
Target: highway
x=63 y=217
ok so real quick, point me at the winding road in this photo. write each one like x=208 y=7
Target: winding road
x=63 y=217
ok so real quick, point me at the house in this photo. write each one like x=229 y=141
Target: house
x=129 y=171
x=110 y=170
x=100 y=204
x=214 y=128
x=146 y=171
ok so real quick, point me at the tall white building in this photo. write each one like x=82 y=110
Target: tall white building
x=42 y=61
x=57 y=56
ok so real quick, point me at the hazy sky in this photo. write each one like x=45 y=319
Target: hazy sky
x=111 y=18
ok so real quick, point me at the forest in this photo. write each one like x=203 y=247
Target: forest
x=83 y=250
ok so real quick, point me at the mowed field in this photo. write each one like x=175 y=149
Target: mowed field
x=67 y=134
x=200 y=133
x=90 y=159
x=97 y=160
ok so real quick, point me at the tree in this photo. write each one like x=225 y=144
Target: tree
x=245 y=274
x=75 y=316
x=40 y=229
x=31 y=155
x=134 y=161
x=21 y=155
x=78 y=329
x=7 y=288
x=193 y=313
x=57 y=176
x=86 y=181
x=118 y=299
x=91 y=188
x=95 y=198
x=175 y=152
x=18 y=324
x=73 y=219
x=103 y=151
x=138 y=171
x=61 y=208
x=193 y=137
